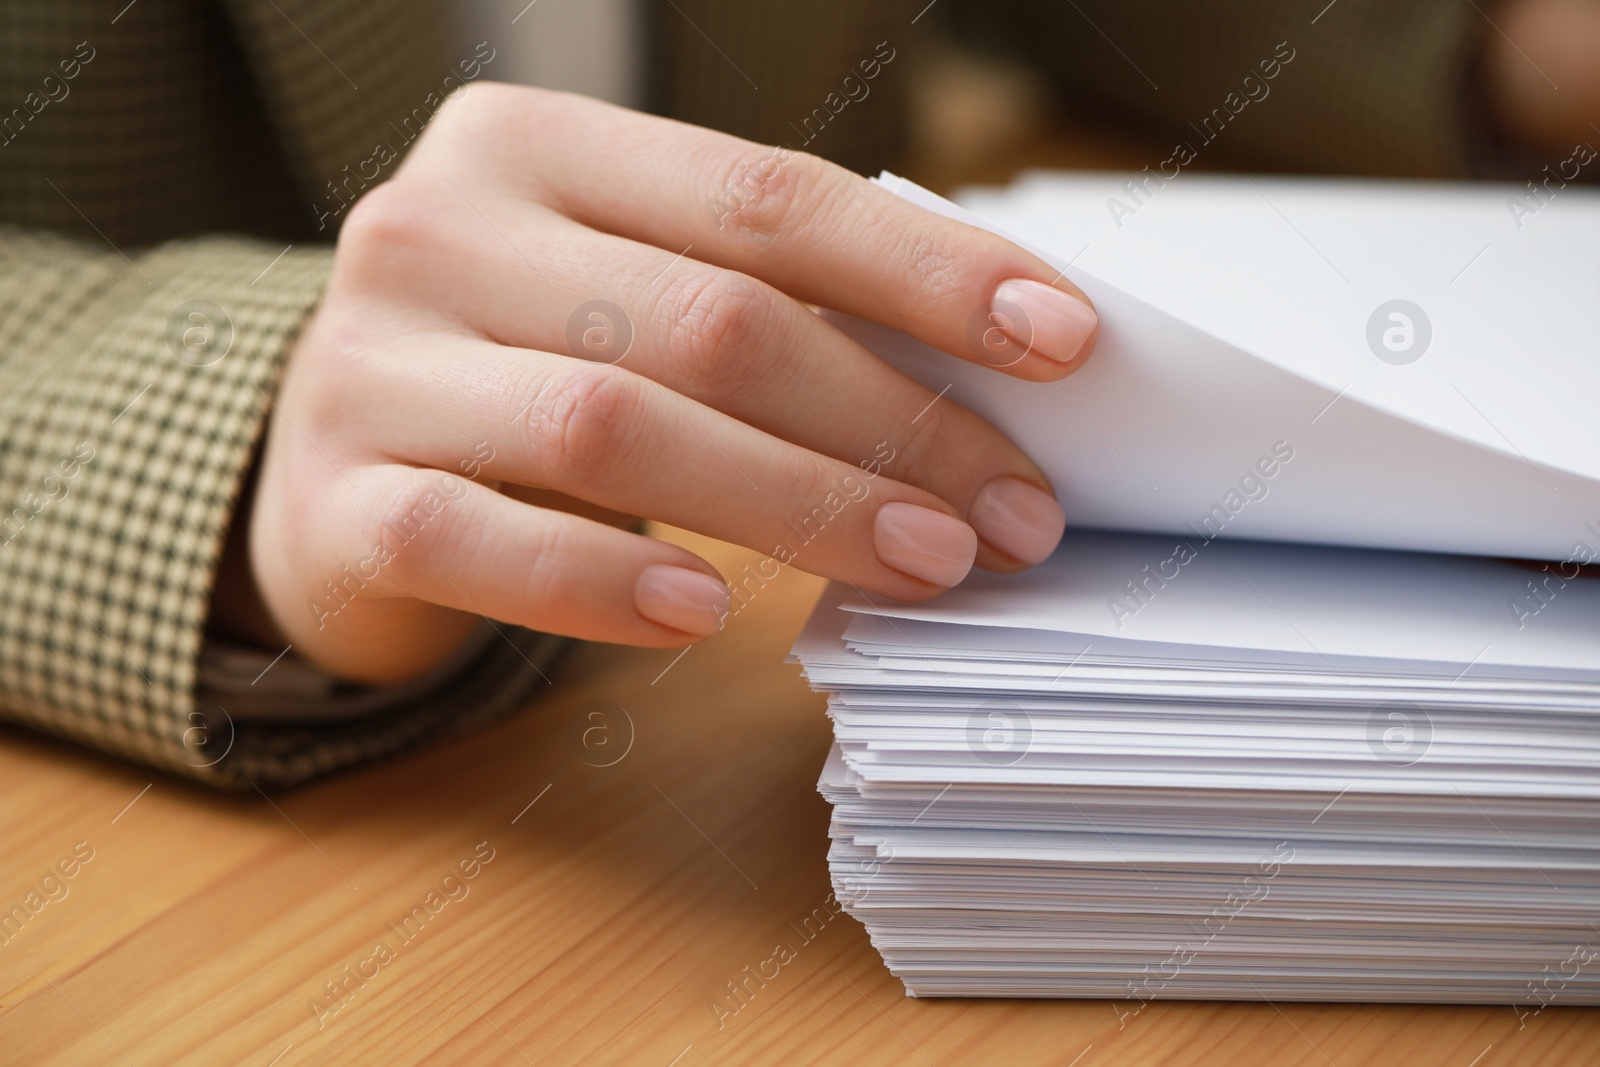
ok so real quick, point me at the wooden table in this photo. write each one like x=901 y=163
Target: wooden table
x=616 y=904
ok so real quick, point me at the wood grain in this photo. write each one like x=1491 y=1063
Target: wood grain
x=606 y=927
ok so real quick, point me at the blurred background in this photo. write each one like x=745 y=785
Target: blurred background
x=251 y=116
x=979 y=89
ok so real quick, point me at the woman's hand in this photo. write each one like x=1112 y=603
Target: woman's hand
x=558 y=306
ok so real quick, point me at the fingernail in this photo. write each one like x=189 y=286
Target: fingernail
x=1019 y=519
x=683 y=599
x=924 y=543
x=1043 y=318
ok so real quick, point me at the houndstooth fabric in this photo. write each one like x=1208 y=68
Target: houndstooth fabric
x=136 y=376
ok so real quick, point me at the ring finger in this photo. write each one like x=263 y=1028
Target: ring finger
x=624 y=442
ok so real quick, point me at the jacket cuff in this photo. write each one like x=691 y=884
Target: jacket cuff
x=131 y=404
x=134 y=393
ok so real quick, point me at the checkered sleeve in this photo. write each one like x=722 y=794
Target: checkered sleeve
x=132 y=394
x=138 y=364
x=340 y=79
x=130 y=400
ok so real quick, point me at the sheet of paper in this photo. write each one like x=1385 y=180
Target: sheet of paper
x=1308 y=601
x=1229 y=348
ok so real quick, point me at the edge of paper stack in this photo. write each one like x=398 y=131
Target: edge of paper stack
x=1286 y=795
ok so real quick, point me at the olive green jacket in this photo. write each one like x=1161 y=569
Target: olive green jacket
x=172 y=173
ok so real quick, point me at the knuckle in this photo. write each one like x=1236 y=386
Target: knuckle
x=550 y=114
x=413 y=512
x=579 y=423
x=485 y=99
x=711 y=323
x=490 y=122
x=542 y=580
x=347 y=349
x=469 y=109
x=762 y=192
x=391 y=222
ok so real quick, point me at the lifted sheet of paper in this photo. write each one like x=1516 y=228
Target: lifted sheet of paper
x=1395 y=365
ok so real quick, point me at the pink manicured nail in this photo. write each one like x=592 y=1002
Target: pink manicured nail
x=1046 y=319
x=683 y=599
x=1019 y=519
x=924 y=543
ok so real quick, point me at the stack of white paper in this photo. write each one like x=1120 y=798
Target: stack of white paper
x=1292 y=772
x=1174 y=765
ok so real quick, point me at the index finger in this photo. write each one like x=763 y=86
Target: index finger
x=812 y=229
